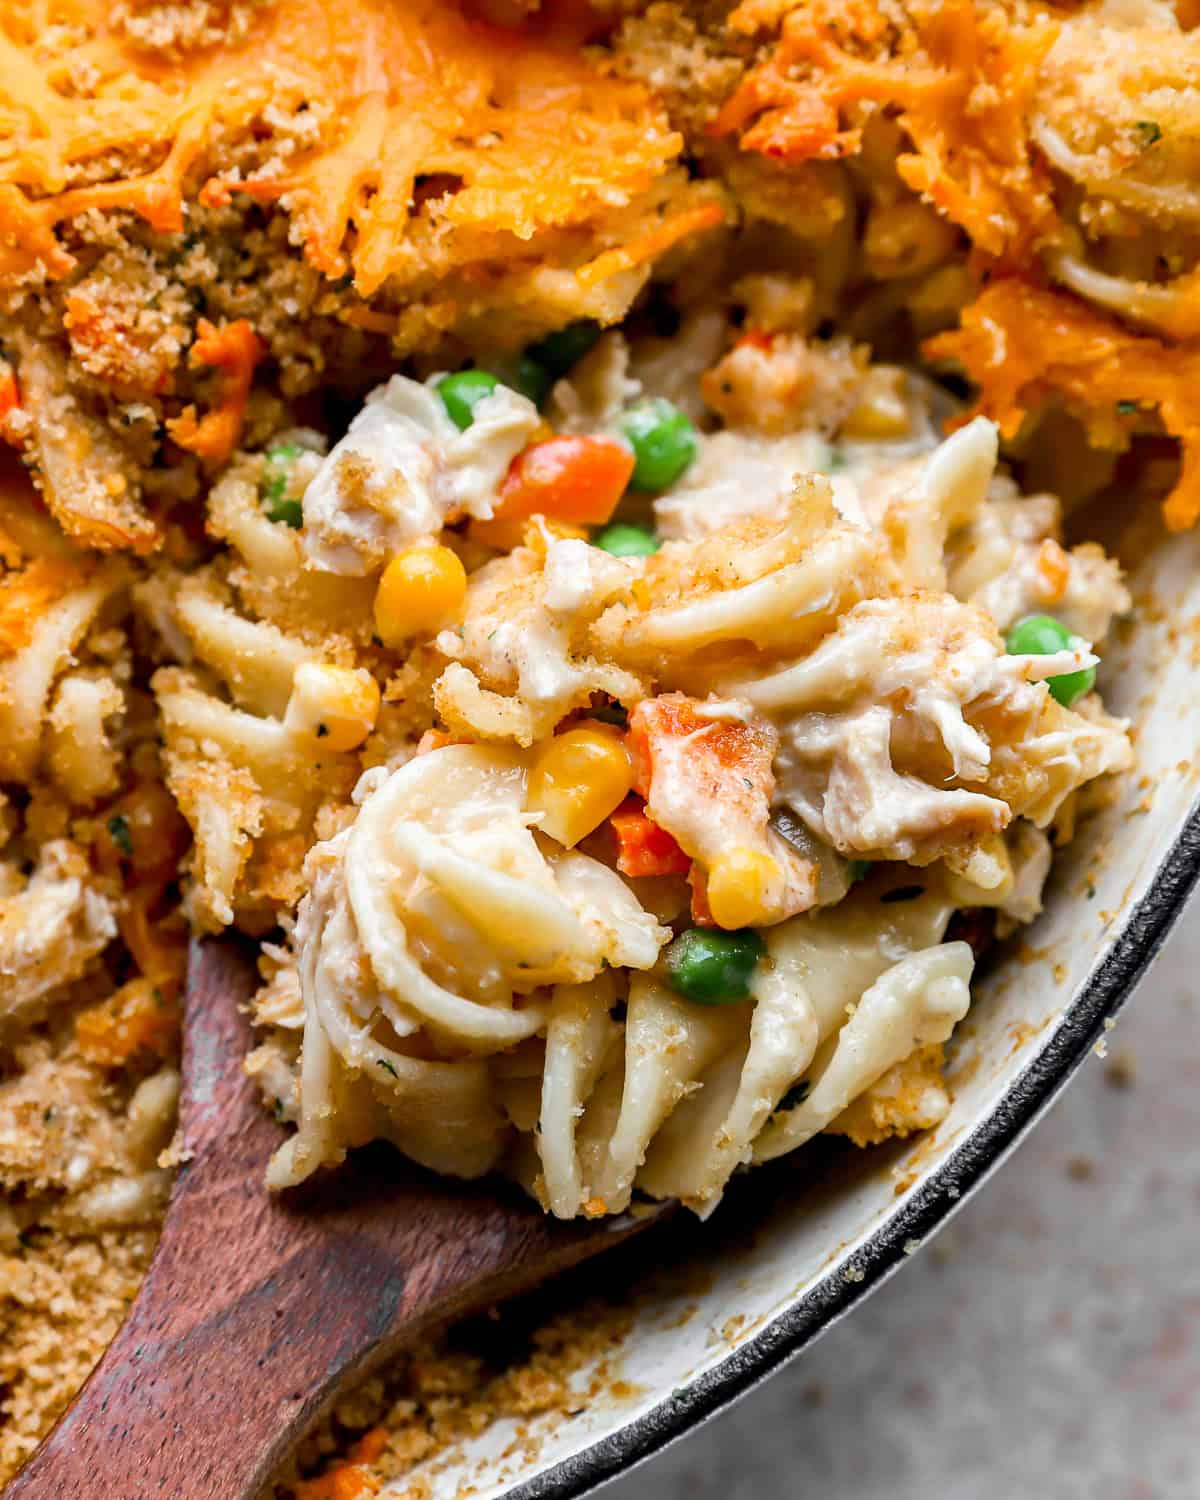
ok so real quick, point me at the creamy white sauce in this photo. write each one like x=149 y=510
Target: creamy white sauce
x=736 y=475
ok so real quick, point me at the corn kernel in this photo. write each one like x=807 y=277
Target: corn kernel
x=882 y=411
x=334 y=705
x=743 y=885
x=421 y=590
x=577 y=780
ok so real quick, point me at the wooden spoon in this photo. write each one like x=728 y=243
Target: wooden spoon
x=259 y=1311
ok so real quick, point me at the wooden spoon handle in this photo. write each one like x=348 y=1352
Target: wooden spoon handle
x=236 y=1333
x=201 y=1394
x=258 y=1311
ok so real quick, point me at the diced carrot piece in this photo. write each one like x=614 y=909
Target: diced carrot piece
x=576 y=479
x=728 y=758
x=643 y=848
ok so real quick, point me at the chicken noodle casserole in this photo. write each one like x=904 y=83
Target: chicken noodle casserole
x=665 y=888
x=551 y=517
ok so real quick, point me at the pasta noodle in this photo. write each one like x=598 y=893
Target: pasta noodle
x=827 y=653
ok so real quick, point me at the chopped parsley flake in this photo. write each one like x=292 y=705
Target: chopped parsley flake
x=387 y=1067
x=118 y=831
x=1149 y=133
x=286 y=513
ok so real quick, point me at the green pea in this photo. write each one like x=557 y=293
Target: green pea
x=558 y=351
x=663 y=442
x=286 y=513
x=713 y=967
x=532 y=379
x=276 y=480
x=461 y=394
x=626 y=541
x=277 y=469
x=1043 y=635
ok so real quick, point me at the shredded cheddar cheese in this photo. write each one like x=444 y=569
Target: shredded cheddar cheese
x=962 y=80
x=235 y=350
x=24 y=595
x=523 y=130
x=1023 y=344
x=650 y=246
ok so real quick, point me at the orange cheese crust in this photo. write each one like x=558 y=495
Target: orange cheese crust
x=1022 y=344
x=26 y=592
x=523 y=130
x=962 y=78
x=235 y=350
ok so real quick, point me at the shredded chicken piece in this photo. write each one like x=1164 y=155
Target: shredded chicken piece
x=52 y=925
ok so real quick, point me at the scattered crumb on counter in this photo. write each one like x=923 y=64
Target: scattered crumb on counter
x=1121 y=1072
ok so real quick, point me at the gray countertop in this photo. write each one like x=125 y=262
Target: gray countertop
x=1045 y=1346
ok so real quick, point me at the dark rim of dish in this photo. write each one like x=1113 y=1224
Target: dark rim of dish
x=931 y=1205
